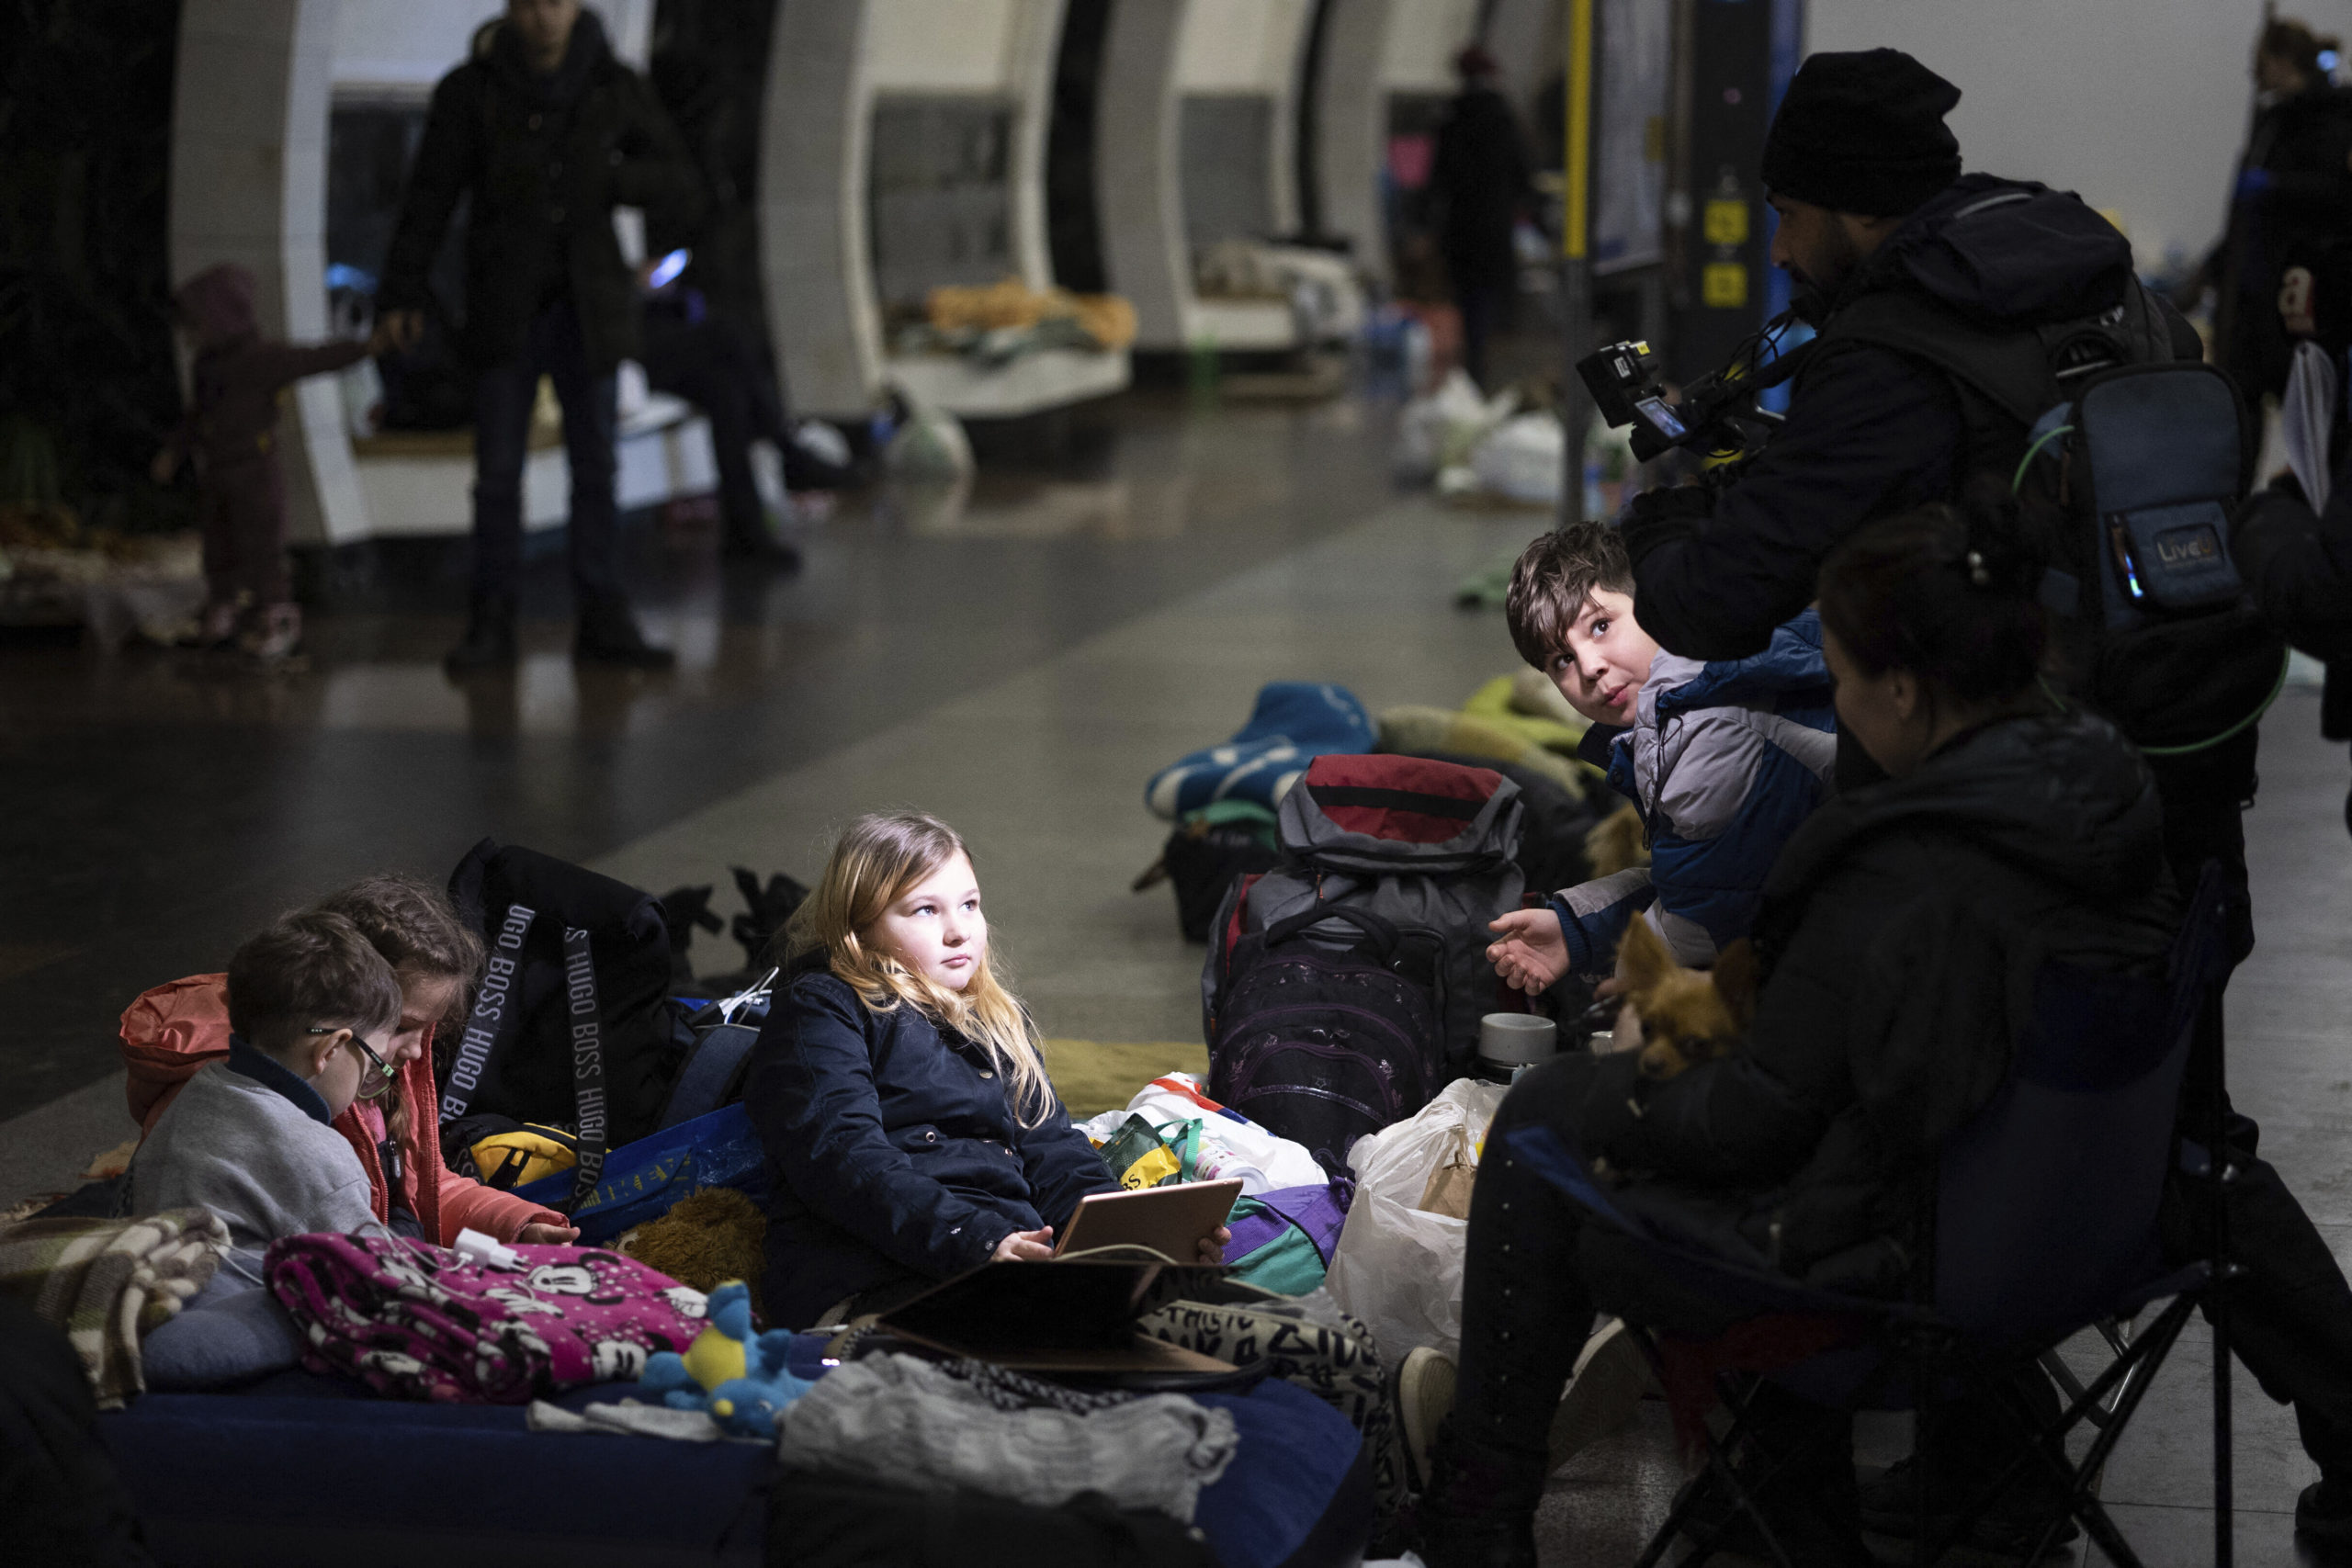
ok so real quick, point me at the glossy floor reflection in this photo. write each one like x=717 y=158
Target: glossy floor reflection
x=154 y=808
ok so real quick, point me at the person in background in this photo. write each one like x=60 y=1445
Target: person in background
x=2294 y=184
x=547 y=133
x=706 y=324
x=1481 y=175
x=230 y=434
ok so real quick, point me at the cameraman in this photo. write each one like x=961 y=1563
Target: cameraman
x=1918 y=279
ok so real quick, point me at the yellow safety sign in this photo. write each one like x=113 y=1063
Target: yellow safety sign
x=1722 y=285
x=1725 y=222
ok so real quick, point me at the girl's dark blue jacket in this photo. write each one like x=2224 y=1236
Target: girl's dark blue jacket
x=893 y=1150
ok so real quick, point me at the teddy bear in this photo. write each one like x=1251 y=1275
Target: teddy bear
x=735 y=1375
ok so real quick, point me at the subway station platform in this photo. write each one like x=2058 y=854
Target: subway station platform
x=1017 y=658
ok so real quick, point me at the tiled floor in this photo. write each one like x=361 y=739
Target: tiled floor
x=1019 y=663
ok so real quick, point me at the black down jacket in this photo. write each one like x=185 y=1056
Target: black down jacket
x=546 y=159
x=893 y=1150
x=1872 y=431
x=1901 y=932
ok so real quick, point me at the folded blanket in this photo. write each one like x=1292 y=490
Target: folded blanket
x=909 y=1423
x=419 y=1322
x=106 y=1282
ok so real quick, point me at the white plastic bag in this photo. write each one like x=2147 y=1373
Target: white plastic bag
x=931 y=444
x=1396 y=1268
x=1522 y=458
x=1232 y=1145
x=1441 y=430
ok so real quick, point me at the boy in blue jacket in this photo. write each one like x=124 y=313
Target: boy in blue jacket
x=1722 y=761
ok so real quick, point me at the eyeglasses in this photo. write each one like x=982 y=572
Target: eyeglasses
x=376 y=1077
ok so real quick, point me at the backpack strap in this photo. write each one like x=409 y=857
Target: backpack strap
x=498 y=1004
x=587 y=1063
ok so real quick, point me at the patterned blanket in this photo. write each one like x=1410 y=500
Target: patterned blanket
x=106 y=1282
x=420 y=1322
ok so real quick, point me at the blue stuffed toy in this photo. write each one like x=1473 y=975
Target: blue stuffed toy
x=739 y=1379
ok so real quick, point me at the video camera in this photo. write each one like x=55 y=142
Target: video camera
x=1716 y=415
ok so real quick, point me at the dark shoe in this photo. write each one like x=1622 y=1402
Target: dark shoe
x=1479 y=1510
x=2323 y=1517
x=608 y=635
x=489 y=640
x=759 y=546
x=2009 y=1527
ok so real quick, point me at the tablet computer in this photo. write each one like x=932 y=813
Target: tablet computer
x=1169 y=1220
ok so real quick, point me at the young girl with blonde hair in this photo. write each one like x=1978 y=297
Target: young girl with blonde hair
x=898 y=1088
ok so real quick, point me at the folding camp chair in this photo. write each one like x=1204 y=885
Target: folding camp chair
x=2045 y=1224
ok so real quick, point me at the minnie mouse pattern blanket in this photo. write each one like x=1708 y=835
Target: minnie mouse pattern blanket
x=417 y=1322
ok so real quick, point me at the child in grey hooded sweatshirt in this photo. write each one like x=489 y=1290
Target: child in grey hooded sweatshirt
x=249 y=1137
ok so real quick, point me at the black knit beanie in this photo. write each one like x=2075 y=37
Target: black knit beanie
x=1864 y=133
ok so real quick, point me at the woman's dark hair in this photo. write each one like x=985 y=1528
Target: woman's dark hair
x=1947 y=592
x=2295 y=43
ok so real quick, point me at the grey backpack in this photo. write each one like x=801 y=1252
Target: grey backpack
x=1429 y=848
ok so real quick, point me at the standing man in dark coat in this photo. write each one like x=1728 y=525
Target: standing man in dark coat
x=2294 y=185
x=1892 y=245
x=1481 y=176
x=548 y=132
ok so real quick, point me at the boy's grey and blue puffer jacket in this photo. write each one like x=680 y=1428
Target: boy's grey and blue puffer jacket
x=1724 y=762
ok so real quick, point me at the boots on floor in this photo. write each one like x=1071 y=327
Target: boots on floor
x=1479 y=1510
x=608 y=635
x=489 y=639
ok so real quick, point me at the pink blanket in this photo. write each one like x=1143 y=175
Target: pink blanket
x=414 y=1321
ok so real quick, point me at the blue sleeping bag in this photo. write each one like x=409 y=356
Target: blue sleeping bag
x=1293 y=723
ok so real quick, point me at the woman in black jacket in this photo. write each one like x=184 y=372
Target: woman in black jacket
x=1900 y=934
x=898 y=1088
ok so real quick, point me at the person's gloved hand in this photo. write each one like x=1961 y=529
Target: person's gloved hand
x=2254 y=185
x=1661 y=517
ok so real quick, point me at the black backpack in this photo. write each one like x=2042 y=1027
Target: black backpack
x=2134 y=452
x=1323 y=1045
x=573 y=1024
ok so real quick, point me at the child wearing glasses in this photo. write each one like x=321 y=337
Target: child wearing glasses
x=251 y=1137
x=170 y=1032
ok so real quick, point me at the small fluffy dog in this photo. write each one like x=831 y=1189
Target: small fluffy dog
x=1686 y=1015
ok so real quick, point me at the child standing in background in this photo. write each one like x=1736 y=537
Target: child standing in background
x=230 y=433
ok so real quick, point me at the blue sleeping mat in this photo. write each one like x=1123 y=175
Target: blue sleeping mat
x=272 y=1476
